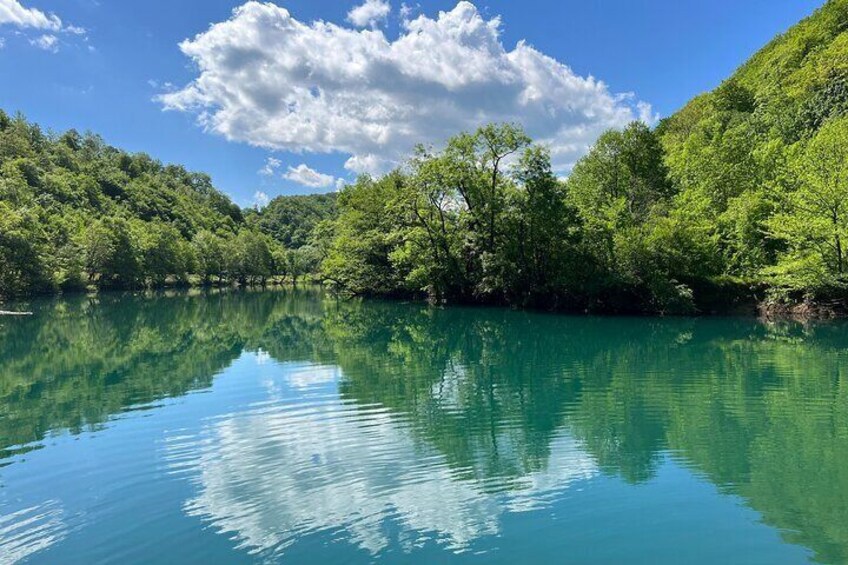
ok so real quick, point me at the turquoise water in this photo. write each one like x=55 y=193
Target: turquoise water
x=294 y=427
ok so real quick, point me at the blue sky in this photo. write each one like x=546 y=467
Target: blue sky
x=328 y=102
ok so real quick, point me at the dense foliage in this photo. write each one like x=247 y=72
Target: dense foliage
x=743 y=188
x=74 y=212
x=292 y=220
x=763 y=160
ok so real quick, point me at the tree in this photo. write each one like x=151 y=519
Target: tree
x=496 y=142
x=360 y=257
x=302 y=261
x=544 y=234
x=458 y=201
x=163 y=252
x=209 y=255
x=248 y=258
x=814 y=222
x=291 y=220
x=23 y=261
x=112 y=254
x=622 y=178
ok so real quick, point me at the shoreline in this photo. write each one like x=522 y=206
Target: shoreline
x=754 y=305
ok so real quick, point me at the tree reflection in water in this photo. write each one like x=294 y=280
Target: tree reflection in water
x=443 y=419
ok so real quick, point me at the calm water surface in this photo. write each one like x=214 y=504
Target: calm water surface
x=293 y=427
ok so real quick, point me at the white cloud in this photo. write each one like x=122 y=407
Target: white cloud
x=271 y=165
x=47 y=42
x=368 y=163
x=646 y=113
x=260 y=199
x=406 y=11
x=2 y=43
x=371 y=13
x=265 y=78
x=162 y=86
x=12 y=12
x=305 y=176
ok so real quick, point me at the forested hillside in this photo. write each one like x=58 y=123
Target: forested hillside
x=744 y=190
x=292 y=220
x=741 y=195
x=762 y=161
x=76 y=212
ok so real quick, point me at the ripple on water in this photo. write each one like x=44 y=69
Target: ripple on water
x=309 y=463
x=30 y=530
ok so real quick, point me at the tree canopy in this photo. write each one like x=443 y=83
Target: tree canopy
x=742 y=189
x=75 y=211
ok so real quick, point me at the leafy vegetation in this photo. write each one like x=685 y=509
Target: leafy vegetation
x=745 y=187
x=74 y=212
x=292 y=220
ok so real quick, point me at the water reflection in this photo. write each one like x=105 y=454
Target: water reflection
x=309 y=460
x=440 y=421
x=30 y=530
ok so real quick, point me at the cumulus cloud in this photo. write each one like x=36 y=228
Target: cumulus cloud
x=371 y=13
x=271 y=165
x=305 y=176
x=265 y=78
x=12 y=12
x=406 y=10
x=47 y=42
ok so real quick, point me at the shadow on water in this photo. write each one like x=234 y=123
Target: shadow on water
x=761 y=411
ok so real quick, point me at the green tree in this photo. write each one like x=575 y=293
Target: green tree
x=112 y=254
x=365 y=236
x=622 y=178
x=209 y=255
x=163 y=252
x=814 y=222
x=23 y=260
x=248 y=258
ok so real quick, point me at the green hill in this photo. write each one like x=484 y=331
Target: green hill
x=292 y=220
x=742 y=194
x=743 y=190
x=75 y=211
x=765 y=154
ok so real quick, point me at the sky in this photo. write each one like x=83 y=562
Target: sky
x=301 y=96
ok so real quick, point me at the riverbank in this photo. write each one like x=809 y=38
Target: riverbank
x=717 y=297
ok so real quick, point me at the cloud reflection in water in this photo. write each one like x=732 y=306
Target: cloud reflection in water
x=308 y=460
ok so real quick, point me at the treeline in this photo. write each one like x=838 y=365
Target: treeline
x=742 y=194
x=746 y=188
x=76 y=212
x=486 y=219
